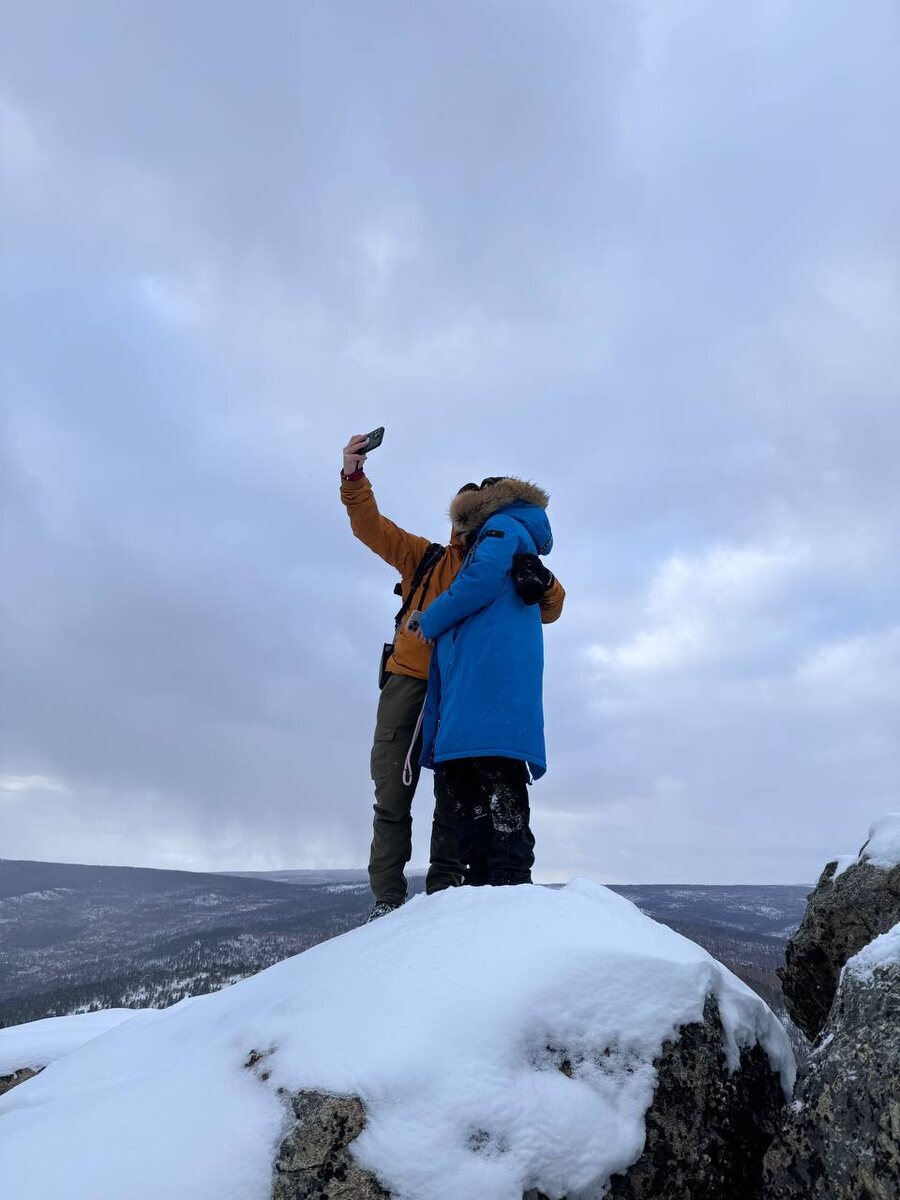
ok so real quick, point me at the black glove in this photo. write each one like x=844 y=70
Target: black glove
x=531 y=577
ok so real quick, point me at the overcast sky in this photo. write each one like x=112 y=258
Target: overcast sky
x=643 y=253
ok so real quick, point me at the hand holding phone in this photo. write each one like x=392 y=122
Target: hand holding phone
x=353 y=456
x=358 y=447
x=373 y=441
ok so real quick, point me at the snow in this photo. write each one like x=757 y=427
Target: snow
x=448 y=1018
x=41 y=1042
x=844 y=862
x=882 y=848
x=823 y=1044
x=884 y=951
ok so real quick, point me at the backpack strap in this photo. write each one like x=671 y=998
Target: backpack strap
x=427 y=563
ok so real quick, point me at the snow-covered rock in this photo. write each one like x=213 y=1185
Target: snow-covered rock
x=26 y=1049
x=708 y=1129
x=841 y=1137
x=41 y=1042
x=853 y=902
x=14 y=1078
x=884 y=951
x=495 y=1041
x=882 y=849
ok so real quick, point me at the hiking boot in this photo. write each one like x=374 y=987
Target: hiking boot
x=381 y=908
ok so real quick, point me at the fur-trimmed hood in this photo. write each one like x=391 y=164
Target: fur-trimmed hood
x=470 y=510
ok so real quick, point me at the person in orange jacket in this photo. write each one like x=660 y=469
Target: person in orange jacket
x=396 y=746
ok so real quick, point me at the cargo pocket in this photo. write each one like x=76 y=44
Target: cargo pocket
x=384 y=753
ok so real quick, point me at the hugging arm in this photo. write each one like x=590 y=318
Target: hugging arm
x=552 y=602
x=476 y=586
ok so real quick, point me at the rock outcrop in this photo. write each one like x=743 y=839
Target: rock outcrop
x=846 y=911
x=841 y=1138
x=315 y=1161
x=708 y=1129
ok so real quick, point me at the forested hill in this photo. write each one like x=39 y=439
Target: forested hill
x=75 y=937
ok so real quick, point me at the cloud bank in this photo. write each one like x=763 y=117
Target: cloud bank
x=646 y=255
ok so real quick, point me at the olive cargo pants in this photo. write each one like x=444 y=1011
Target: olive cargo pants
x=398 y=711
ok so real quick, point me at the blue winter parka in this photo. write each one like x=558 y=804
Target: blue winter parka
x=485 y=687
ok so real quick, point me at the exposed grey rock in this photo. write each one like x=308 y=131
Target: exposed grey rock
x=314 y=1161
x=841 y=1137
x=8 y=1082
x=843 y=915
x=707 y=1130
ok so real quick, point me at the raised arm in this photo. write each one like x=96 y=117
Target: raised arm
x=401 y=549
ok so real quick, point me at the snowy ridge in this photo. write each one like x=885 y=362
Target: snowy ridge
x=444 y=1018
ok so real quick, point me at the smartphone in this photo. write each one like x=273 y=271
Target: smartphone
x=374 y=440
x=414 y=618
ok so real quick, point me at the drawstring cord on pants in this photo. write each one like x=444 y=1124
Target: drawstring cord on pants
x=407 y=766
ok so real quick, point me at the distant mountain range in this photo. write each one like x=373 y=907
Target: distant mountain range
x=75 y=938
x=311 y=878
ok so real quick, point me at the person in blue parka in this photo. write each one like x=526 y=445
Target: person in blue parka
x=484 y=719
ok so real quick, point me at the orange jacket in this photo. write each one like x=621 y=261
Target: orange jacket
x=403 y=551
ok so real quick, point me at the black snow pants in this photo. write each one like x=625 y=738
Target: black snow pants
x=490 y=799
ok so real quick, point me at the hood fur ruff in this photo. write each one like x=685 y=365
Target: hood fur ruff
x=470 y=510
